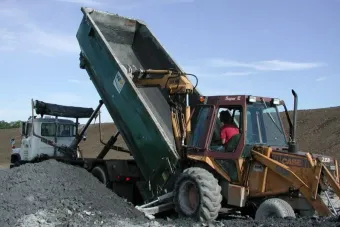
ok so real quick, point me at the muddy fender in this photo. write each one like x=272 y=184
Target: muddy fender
x=274 y=207
x=197 y=195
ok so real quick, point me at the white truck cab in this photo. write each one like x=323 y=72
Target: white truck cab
x=62 y=133
x=52 y=137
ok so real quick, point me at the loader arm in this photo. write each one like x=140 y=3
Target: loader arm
x=176 y=84
x=284 y=171
x=330 y=179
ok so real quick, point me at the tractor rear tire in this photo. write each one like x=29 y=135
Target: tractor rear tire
x=276 y=208
x=197 y=195
x=100 y=173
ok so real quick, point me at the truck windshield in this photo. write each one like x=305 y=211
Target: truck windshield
x=264 y=125
x=64 y=130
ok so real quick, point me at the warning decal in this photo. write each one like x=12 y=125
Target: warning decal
x=118 y=82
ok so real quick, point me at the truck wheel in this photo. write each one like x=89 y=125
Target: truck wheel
x=16 y=164
x=197 y=195
x=100 y=173
x=274 y=207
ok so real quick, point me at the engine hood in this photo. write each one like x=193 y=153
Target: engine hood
x=326 y=159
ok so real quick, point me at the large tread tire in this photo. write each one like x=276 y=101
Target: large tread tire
x=100 y=173
x=276 y=208
x=209 y=195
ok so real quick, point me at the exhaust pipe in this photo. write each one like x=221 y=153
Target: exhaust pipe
x=293 y=148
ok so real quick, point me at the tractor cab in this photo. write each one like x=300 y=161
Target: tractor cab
x=258 y=120
x=250 y=121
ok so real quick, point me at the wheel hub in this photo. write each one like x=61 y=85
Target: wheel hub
x=192 y=196
x=188 y=198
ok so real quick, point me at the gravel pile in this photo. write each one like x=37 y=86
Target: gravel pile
x=56 y=187
x=55 y=194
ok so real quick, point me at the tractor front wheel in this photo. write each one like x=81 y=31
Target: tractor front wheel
x=197 y=195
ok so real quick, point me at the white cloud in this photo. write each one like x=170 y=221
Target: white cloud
x=124 y=4
x=21 y=32
x=76 y=81
x=238 y=73
x=179 y=1
x=82 y=2
x=270 y=65
x=209 y=91
x=322 y=78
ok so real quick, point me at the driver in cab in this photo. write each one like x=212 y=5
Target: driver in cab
x=228 y=129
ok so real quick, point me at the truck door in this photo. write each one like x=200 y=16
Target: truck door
x=25 y=149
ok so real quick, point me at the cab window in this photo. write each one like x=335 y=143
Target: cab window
x=264 y=126
x=47 y=129
x=64 y=130
x=201 y=121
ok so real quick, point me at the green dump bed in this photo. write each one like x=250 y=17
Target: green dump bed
x=112 y=46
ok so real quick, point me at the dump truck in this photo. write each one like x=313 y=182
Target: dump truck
x=173 y=133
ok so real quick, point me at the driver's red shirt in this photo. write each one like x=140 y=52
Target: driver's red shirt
x=227 y=131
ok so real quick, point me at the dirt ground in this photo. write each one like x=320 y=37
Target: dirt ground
x=318 y=132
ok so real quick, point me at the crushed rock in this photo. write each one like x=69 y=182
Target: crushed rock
x=53 y=186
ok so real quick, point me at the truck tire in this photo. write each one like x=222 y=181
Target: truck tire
x=274 y=207
x=16 y=164
x=197 y=195
x=100 y=173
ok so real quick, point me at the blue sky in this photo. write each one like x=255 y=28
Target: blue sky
x=263 y=47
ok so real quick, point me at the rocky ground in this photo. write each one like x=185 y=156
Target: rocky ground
x=55 y=194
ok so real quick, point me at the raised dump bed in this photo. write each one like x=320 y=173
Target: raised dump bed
x=112 y=46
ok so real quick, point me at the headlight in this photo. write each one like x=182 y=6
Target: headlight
x=252 y=99
x=276 y=101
